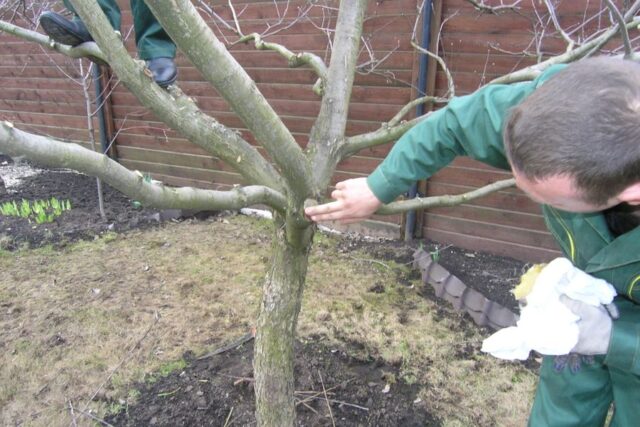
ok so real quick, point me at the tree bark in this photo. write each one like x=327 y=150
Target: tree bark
x=328 y=130
x=274 y=346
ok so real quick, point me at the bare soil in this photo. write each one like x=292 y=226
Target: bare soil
x=82 y=222
x=364 y=358
x=219 y=390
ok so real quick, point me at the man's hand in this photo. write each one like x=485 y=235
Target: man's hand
x=354 y=201
x=595 y=325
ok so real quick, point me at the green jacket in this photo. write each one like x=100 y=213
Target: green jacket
x=472 y=126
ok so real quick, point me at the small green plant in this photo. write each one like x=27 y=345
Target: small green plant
x=40 y=211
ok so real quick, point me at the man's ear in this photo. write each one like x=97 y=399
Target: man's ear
x=631 y=194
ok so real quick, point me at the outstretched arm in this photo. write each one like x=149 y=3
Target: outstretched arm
x=468 y=126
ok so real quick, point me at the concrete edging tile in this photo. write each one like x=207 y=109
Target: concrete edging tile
x=482 y=310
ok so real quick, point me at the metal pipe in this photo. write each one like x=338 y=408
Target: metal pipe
x=423 y=64
x=102 y=123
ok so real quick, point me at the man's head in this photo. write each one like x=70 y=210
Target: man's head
x=575 y=142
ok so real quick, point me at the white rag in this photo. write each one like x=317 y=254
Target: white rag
x=546 y=325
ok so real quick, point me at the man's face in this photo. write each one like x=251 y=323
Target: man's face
x=560 y=192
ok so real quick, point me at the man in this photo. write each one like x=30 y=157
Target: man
x=572 y=141
x=153 y=43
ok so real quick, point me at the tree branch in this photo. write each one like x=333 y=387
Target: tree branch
x=494 y=10
x=388 y=131
x=554 y=18
x=441 y=201
x=451 y=87
x=52 y=152
x=620 y=21
x=175 y=109
x=294 y=59
x=530 y=73
x=411 y=105
x=329 y=128
x=183 y=23
x=82 y=51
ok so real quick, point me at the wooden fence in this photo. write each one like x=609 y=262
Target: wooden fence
x=41 y=93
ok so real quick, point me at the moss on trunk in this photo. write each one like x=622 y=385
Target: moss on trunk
x=281 y=301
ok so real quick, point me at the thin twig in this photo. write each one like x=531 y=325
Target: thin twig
x=617 y=17
x=373 y=261
x=315 y=394
x=495 y=10
x=235 y=18
x=333 y=422
x=307 y=406
x=73 y=415
x=243 y=339
x=556 y=24
x=125 y=358
x=92 y=138
x=226 y=422
x=340 y=402
x=94 y=418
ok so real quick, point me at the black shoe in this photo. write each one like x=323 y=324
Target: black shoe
x=164 y=71
x=64 y=31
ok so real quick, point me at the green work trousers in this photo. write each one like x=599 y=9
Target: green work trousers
x=582 y=399
x=151 y=39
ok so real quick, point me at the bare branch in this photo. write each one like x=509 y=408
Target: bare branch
x=329 y=128
x=49 y=151
x=381 y=136
x=431 y=100
x=619 y=19
x=441 y=201
x=176 y=110
x=530 y=73
x=92 y=138
x=451 y=87
x=494 y=10
x=82 y=51
x=183 y=23
x=294 y=59
x=554 y=18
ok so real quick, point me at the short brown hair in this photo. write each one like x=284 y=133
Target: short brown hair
x=584 y=123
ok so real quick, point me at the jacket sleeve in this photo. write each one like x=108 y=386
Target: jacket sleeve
x=468 y=126
x=624 y=346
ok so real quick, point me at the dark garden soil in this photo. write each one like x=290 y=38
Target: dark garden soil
x=218 y=390
x=83 y=221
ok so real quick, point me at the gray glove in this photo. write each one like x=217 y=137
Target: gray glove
x=594 y=326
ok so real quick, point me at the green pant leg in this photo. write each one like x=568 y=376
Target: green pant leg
x=151 y=39
x=109 y=7
x=566 y=399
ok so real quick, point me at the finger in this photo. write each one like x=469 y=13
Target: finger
x=337 y=194
x=613 y=311
x=323 y=209
x=341 y=185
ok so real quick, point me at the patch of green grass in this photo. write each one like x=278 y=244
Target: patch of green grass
x=166 y=369
x=133 y=394
x=22 y=345
x=109 y=237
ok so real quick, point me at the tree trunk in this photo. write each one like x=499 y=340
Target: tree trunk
x=281 y=301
